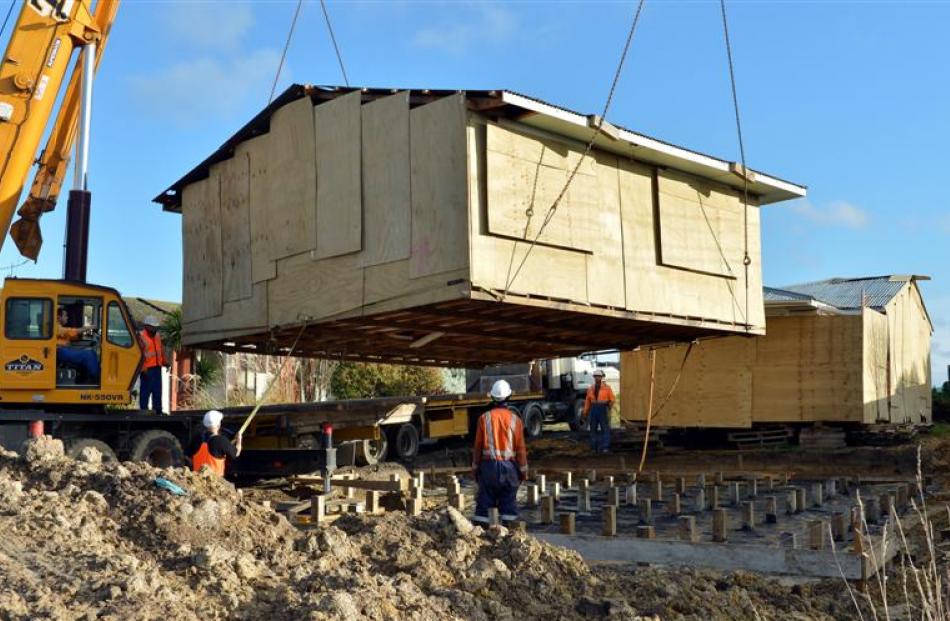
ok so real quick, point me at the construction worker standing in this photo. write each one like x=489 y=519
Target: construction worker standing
x=213 y=448
x=150 y=380
x=600 y=398
x=499 y=458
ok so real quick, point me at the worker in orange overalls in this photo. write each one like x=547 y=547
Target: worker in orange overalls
x=150 y=379
x=213 y=449
x=499 y=458
x=600 y=398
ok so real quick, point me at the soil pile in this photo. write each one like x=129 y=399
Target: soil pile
x=87 y=540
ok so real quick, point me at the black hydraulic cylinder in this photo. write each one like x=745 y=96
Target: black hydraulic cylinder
x=77 y=235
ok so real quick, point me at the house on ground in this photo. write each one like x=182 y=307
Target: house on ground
x=842 y=350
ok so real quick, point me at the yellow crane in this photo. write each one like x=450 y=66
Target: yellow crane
x=63 y=342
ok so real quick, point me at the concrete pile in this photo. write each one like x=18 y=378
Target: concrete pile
x=90 y=540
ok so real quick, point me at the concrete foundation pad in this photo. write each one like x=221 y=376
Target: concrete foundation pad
x=725 y=557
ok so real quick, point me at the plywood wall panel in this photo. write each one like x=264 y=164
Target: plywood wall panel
x=876 y=397
x=235 y=180
x=246 y=316
x=202 y=294
x=387 y=200
x=337 y=125
x=257 y=150
x=307 y=289
x=291 y=181
x=439 y=179
x=525 y=176
x=709 y=393
x=605 y=278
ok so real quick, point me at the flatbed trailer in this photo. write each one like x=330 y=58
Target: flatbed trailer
x=283 y=439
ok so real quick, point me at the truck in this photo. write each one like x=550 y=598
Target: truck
x=560 y=383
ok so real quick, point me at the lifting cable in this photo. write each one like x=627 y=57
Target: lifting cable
x=7 y=18
x=336 y=48
x=280 y=372
x=283 y=56
x=590 y=145
x=746 y=259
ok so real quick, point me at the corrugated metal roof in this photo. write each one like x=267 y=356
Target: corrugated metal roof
x=771 y=294
x=850 y=293
x=524 y=109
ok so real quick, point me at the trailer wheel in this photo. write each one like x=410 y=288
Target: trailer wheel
x=75 y=447
x=158 y=448
x=578 y=423
x=371 y=452
x=533 y=419
x=405 y=439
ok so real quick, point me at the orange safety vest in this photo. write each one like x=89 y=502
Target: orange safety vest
x=204 y=458
x=152 y=348
x=500 y=437
x=604 y=395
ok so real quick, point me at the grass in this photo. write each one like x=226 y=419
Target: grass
x=922 y=582
x=940 y=430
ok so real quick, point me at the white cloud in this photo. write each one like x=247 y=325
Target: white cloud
x=189 y=91
x=835 y=213
x=210 y=25
x=477 y=24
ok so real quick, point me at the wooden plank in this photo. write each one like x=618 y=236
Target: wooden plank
x=263 y=268
x=291 y=180
x=724 y=557
x=401 y=485
x=386 y=197
x=439 y=186
x=392 y=281
x=336 y=127
x=235 y=175
x=201 y=238
x=310 y=289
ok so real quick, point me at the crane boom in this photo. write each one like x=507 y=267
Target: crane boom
x=31 y=74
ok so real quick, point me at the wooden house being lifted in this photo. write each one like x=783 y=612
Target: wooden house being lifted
x=844 y=350
x=398 y=225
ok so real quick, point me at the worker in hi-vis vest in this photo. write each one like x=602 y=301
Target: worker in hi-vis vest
x=150 y=380
x=499 y=459
x=213 y=449
x=600 y=398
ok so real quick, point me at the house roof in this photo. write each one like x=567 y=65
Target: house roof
x=504 y=104
x=855 y=293
x=140 y=308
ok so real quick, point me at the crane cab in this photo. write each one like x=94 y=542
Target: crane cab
x=65 y=343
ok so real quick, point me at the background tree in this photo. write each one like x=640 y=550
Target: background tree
x=359 y=380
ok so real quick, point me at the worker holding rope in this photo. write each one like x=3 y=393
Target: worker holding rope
x=597 y=404
x=213 y=449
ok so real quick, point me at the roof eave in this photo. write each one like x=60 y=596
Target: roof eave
x=622 y=141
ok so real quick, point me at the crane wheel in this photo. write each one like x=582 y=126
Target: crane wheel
x=371 y=452
x=158 y=448
x=74 y=448
x=405 y=440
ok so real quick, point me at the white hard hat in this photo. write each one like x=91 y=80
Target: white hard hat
x=212 y=419
x=500 y=390
x=599 y=373
x=152 y=320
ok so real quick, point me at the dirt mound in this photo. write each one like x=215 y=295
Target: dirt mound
x=102 y=540
x=88 y=540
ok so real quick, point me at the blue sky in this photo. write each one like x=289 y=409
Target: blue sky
x=848 y=98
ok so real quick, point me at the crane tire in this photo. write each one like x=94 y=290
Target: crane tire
x=404 y=439
x=533 y=419
x=74 y=448
x=158 y=448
